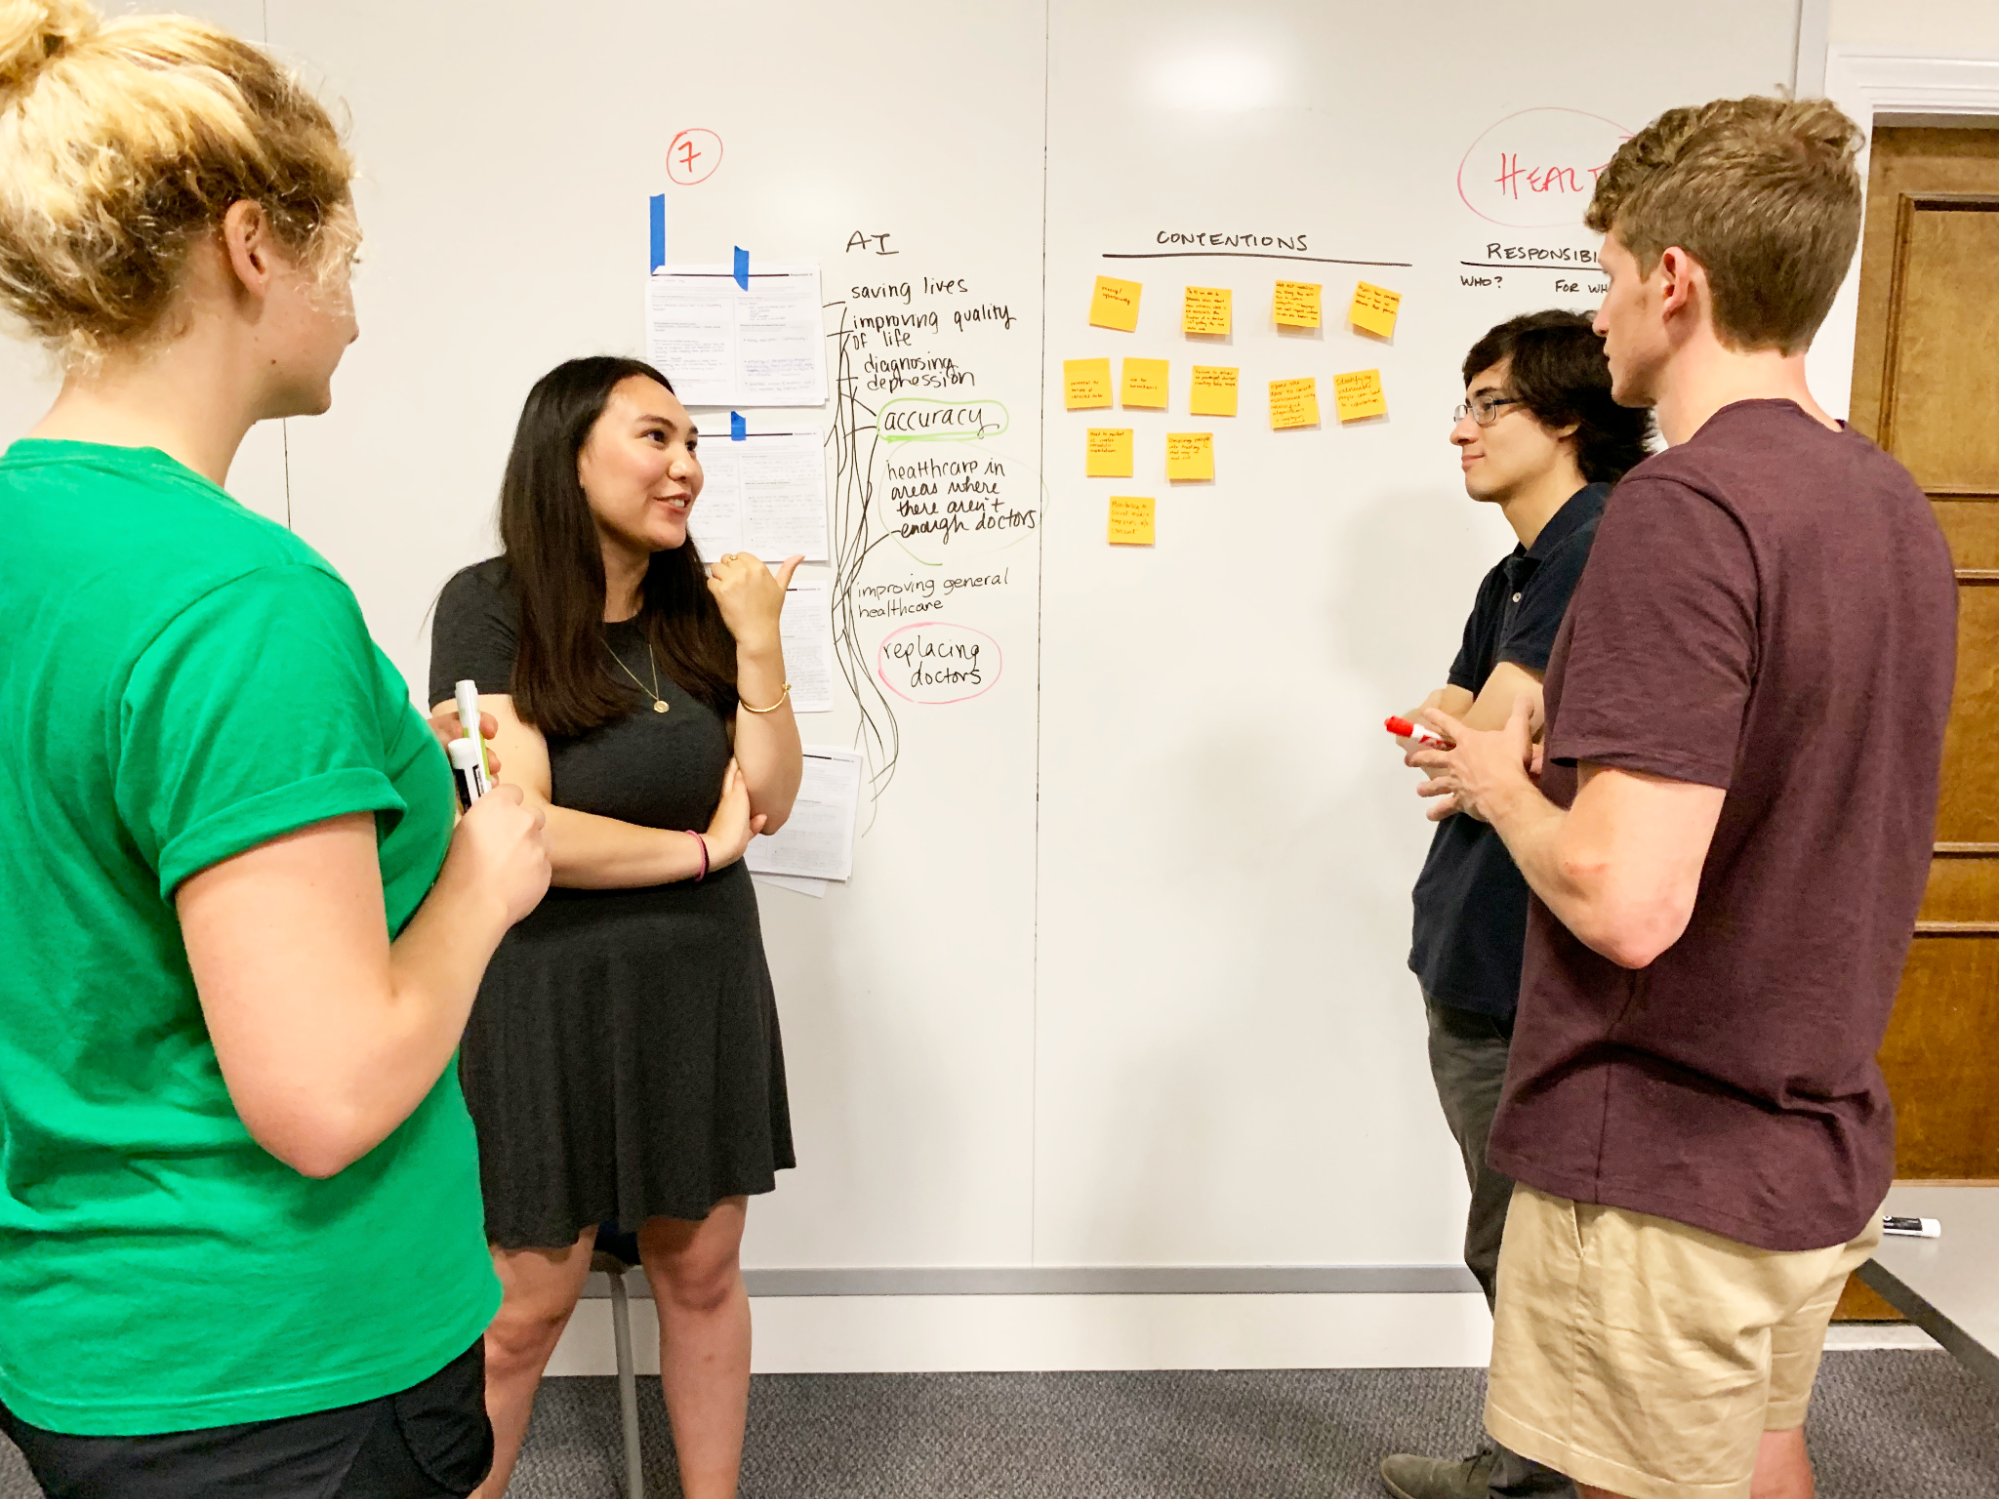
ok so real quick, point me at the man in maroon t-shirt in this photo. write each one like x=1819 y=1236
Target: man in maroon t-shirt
x=1745 y=715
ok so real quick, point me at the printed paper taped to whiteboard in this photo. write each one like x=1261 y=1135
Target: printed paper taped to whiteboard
x=805 y=630
x=817 y=840
x=765 y=494
x=723 y=346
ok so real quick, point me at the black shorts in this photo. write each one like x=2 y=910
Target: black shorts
x=432 y=1439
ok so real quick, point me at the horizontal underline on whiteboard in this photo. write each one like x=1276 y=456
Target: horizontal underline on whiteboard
x=1319 y=260
x=994 y=1281
x=1535 y=265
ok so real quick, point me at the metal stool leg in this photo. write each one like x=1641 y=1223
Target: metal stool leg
x=628 y=1386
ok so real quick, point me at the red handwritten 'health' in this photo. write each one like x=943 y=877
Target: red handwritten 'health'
x=1541 y=179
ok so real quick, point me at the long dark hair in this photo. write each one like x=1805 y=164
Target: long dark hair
x=565 y=681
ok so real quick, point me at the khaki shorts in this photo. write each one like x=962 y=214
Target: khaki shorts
x=1646 y=1357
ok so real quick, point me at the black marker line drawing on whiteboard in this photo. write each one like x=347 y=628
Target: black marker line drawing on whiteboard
x=878 y=736
x=918 y=469
x=1323 y=260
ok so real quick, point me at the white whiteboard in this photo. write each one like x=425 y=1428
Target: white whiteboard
x=1119 y=979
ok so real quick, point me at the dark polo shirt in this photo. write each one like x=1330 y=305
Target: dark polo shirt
x=1769 y=609
x=1471 y=902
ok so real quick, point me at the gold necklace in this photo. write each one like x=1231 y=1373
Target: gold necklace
x=658 y=703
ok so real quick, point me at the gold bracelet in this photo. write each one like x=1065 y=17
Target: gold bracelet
x=773 y=708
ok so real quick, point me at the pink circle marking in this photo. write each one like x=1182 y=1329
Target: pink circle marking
x=694 y=155
x=882 y=674
x=1465 y=161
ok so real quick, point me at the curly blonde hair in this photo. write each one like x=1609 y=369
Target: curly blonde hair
x=123 y=142
x=1765 y=193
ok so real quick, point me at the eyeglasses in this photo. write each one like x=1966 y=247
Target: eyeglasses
x=1486 y=410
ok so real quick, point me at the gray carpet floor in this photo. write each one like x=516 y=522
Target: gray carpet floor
x=1884 y=1422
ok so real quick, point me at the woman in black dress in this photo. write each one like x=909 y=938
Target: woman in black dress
x=622 y=1062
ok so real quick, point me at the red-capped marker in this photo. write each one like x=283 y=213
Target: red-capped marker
x=1401 y=727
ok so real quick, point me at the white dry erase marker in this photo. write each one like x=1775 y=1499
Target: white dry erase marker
x=1922 y=1229
x=468 y=769
x=467 y=695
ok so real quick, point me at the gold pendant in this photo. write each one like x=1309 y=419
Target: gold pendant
x=659 y=705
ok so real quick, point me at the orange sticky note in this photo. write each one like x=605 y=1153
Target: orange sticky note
x=1297 y=304
x=1214 y=391
x=1145 y=383
x=1190 y=455
x=1358 y=394
x=1374 y=309
x=1294 y=403
x=1131 y=521
x=1108 y=455
x=1114 y=304
x=1206 y=310
x=1086 y=383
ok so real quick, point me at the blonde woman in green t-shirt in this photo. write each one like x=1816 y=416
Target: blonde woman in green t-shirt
x=241 y=1243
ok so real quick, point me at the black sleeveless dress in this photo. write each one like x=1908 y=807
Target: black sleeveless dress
x=623 y=1060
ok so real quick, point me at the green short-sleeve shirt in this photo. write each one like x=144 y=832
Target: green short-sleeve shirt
x=180 y=681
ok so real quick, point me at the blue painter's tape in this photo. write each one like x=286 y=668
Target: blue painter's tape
x=738 y=428
x=657 y=206
x=742 y=268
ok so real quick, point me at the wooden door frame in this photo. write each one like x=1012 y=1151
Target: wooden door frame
x=1880 y=86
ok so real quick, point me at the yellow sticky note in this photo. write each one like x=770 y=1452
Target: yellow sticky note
x=1214 y=391
x=1086 y=383
x=1108 y=455
x=1297 y=304
x=1374 y=309
x=1206 y=310
x=1190 y=455
x=1115 y=304
x=1294 y=403
x=1145 y=383
x=1131 y=521
x=1358 y=394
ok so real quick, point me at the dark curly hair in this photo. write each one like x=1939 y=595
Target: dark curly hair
x=1558 y=373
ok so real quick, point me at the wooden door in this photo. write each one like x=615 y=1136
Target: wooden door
x=1926 y=388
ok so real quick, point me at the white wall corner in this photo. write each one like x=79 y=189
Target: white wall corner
x=1868 y=83
x=1808 y=62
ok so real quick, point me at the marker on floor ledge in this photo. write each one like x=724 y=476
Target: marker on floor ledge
x=1921 y=1229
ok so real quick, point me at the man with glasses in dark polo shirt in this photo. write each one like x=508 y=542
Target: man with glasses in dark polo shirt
x=1540 y=437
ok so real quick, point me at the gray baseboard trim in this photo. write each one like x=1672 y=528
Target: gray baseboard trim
x=1078 y=1281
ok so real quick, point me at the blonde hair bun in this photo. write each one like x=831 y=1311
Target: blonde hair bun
x=122 y=143
x=33 y=33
